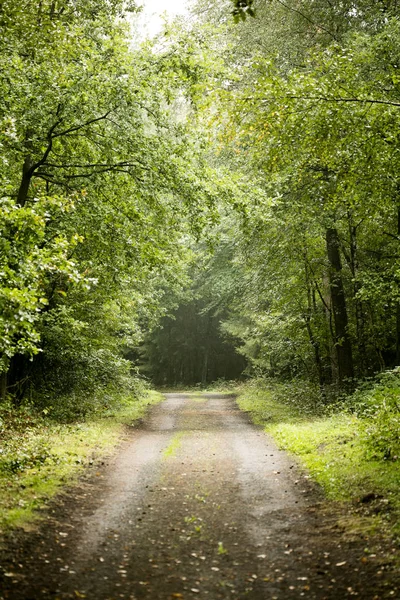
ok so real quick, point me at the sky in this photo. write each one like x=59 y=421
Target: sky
x=151 y=20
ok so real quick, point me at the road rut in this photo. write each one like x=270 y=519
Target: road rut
x=198 y=503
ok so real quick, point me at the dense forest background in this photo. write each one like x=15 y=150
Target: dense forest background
x=220 y=202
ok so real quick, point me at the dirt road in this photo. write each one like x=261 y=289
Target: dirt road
x=198 y=503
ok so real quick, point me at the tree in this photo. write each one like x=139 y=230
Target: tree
x=308 y=117
x=102 y=181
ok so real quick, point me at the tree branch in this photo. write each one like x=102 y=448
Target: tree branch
x=96 y=165
x=316 y=25
x=392 y=235
x=47 y=151
x=335 y=99
x=48 y=177
x=82 y=125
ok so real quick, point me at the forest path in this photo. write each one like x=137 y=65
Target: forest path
x=198 y=503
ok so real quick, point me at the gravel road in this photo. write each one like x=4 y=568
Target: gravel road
x=197 y=503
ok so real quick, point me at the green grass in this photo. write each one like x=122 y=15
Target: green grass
x=333 y=449
x=38 y=457
x=174 y=445
x=197 y=397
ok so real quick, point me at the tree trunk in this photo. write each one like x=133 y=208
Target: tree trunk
x=311 y=308
x=339 y=309
x=360 y=323
x=3 y=386
x=317 y=354
x=398 y=304
x=25 y=182
x=204 y=377
x=18 y=377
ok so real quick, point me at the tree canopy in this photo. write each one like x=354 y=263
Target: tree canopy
x=230 y=185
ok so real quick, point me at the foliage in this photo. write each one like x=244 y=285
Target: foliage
x=332 y=448
x=271 y=401
x=188 y=347
x=311 y=118
x=304 y=274
x=39 y=455
x=242 y=9
x=377 y=404
x=26 y=265
x=102 y=184
x=132 y=153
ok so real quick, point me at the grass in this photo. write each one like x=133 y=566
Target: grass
x=221 y=386
x=333 y=448
x=174 y=445
x=38 y=457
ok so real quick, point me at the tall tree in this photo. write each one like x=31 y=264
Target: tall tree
x=101 y=181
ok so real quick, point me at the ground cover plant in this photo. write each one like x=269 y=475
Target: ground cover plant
x=348 y=450
x=221 y=202
x=40 y=455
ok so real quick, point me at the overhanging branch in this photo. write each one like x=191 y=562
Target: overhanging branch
x=332 y=99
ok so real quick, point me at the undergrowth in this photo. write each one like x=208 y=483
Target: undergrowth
x=350 y=449
x=38 y=455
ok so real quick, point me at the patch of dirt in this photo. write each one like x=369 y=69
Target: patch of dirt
x=198 y=503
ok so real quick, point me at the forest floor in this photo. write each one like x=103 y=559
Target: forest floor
x=197 y=503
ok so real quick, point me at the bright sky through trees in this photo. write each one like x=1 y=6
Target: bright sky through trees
x=153 y=9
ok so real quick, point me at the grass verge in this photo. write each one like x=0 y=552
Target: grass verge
x=334 y=449
x=38 y=456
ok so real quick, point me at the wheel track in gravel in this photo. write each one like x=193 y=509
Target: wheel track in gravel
x=197 y=503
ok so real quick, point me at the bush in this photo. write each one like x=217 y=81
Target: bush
x=84 y=385
x=304 y=396
x=377 y=404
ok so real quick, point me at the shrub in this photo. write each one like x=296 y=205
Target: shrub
x=377 y=404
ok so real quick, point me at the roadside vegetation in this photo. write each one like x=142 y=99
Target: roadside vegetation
x=40 y=455
x=221 y=202
x=351 y=449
